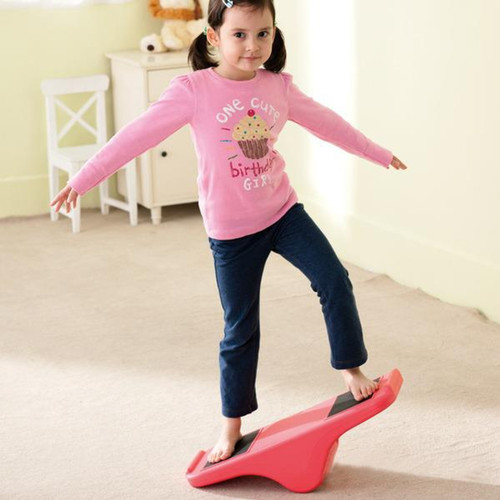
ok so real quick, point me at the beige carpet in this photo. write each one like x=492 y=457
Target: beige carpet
x=109 y=378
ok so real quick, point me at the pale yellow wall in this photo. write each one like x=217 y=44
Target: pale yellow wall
x=52 y=43
x=420 y=77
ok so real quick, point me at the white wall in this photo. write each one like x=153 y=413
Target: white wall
x=422 y=79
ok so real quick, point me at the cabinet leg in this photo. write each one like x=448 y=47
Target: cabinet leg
x=156 y=215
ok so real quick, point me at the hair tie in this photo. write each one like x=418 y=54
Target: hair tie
x=228 y=3
x=205 y=30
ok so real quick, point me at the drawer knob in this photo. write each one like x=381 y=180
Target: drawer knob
x=164 y=153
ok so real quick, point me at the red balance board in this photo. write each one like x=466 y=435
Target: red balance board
x=297 y=451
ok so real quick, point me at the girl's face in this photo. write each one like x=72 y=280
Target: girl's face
x=245 y=42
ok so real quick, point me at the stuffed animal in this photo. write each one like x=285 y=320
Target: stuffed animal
x=183 y=22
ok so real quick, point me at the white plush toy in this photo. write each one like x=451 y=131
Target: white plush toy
x=183 y=23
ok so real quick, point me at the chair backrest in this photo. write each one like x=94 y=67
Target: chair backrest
x=98 y=84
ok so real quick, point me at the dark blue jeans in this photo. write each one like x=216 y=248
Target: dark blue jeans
x=239 y=264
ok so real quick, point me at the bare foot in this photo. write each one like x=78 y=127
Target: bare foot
x=230 y=434
x=360 y=386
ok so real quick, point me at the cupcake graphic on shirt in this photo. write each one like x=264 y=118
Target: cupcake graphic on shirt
x=252 y=134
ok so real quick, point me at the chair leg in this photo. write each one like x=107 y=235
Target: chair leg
x=104 y=195
x=53 y=189
x=75 y=217
x=131 y=181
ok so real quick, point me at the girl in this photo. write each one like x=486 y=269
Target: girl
x=236 y=110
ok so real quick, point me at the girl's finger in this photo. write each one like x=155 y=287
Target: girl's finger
x=56 y=199
x=73 y=197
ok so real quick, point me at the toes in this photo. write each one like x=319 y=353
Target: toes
x=362 y=391
x=366 y=392
x=217 y=456
x=371 y=389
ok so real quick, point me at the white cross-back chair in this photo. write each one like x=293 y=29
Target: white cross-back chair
x=71 y=159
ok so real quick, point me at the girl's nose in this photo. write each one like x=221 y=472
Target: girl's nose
x=252 y=45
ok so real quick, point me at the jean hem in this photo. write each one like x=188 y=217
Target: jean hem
x=353 y=363
x=237 y=413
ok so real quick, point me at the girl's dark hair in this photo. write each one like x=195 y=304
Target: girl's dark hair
x=200 y=57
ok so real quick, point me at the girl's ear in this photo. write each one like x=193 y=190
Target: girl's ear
x=212 y=37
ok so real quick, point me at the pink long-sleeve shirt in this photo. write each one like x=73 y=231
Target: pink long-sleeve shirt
x=242 y=184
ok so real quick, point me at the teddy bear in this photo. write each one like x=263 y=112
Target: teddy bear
x=183 y=22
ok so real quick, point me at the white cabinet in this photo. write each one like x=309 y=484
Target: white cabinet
x=166 y=174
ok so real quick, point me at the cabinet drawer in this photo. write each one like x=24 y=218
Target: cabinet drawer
x=175 y=169
x=158 y=81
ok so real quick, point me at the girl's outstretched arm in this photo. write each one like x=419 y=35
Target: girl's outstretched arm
x=173 y=109
x=329 y=126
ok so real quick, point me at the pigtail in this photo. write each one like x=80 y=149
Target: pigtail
x=277 y=61
x=199 y=56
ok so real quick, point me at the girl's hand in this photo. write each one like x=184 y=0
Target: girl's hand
x=397 y=164
x=68 y=196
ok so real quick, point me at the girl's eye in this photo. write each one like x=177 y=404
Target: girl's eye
x=241 y=33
